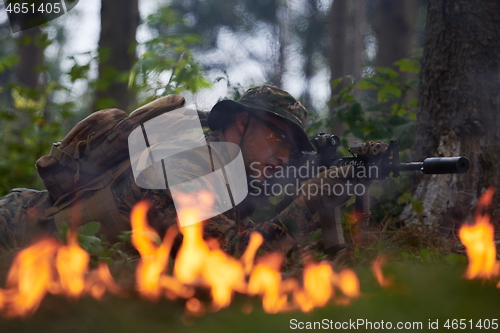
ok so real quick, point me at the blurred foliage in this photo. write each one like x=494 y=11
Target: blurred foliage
x=167 y=65
x=378 y=108
x=29 y=123
x=263 y=34
x=32 y=119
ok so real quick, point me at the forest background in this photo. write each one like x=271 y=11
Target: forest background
x=424 y=73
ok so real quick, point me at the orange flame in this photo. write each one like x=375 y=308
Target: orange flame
x=50 y=267
x=382 y=280
x=72 y=265
x=197 y=263
x=265 y=281
x=194 y=307
x=30 y=278
x=154 y=256
x=478 y=239
x=99 y=281
x=248 y=256
x=202 y=263
x=318 y=287
x=347 y=281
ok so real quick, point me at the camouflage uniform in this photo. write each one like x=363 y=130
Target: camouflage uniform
x=21 y=217
x=22 y=210
x=20 y=213
x=231 y=228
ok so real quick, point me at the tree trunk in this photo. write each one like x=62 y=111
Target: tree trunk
x=347 y=23
x=119 y=21
x=281 y=30
x=27 y=73
x=355 y=37
x=459 y=108
x=27 y=70
x=395 y=27
x=337 y=47
x=394 y=23
x=309 y=49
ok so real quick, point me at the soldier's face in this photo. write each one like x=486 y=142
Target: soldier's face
x=266 y=147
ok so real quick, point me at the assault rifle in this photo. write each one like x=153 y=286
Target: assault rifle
x=384 y=159
x=384 y=156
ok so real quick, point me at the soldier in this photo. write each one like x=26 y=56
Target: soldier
x=268 y=125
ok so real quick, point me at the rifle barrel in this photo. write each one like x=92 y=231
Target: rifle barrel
x=437 y=165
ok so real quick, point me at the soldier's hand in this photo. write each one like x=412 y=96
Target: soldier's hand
x=329 y=188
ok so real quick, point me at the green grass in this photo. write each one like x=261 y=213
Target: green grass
x=422 y=292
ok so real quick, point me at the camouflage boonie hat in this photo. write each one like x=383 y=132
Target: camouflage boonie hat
x=270 y=99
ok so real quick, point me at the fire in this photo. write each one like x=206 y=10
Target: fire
x=382 y=280
x=194 y=250
x=30 y=278
x=154 y=256
x=347 y=281
x=478 y=239
x=247 y=258
x=265 y=280
x=99 y=281
x=318 y=286
x=200 y=262
x=72 y=265
x=196 y=262
x=51 y=267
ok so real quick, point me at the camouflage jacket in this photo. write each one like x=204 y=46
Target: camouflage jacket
x=21 y=213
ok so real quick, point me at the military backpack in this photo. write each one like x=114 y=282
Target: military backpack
x=80 y=170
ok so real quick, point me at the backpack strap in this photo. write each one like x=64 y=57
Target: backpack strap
x=68 y=161
x=65 y=160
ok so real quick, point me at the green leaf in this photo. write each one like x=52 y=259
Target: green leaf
x=386 y=72
x=357 y=252
x=426 y=256
x=349 y=98
x=9 y=62
x=412 y=116
x=454 y=259
x=336 y=82
x=366 y=84
x=88 y=242
x=387 y=92
x=417 y=206
x=89 y=229
x=107 y=260
x=380 y=245
x=62 y=231
x=413 y=103
x=408 y=65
